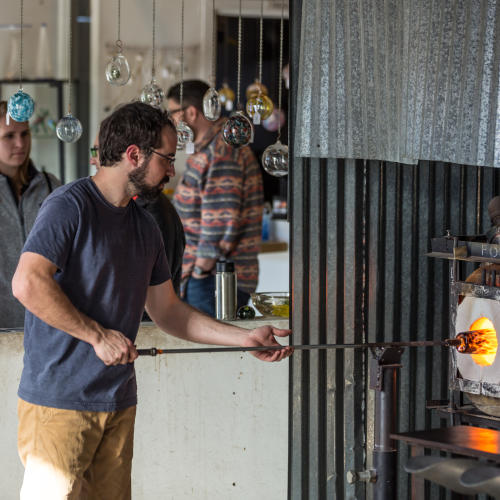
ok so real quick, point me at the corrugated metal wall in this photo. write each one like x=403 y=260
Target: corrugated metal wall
x=359 y=234
x=431 y=66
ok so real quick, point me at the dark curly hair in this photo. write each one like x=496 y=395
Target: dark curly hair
x=132 y=123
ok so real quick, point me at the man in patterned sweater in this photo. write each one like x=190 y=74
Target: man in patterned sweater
x=220 y=201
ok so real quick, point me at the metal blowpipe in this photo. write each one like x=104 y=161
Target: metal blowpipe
x=153 y=351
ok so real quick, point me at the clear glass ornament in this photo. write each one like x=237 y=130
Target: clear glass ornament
x=238 y=130
x=185 y=135
x=226 y=96
x=256 y=88
x=20 y=106
x=211 y=104
x=118 y=70
x=69 y=128
x=152 y=94
x=260 y=104
x=275 y=159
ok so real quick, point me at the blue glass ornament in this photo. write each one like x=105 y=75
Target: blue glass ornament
x=21 y=106
x=69 y=128
x=238 y=130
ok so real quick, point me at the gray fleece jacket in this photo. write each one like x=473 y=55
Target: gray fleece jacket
x=16 y=222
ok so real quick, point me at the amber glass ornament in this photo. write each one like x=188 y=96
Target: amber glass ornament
x=226 y=96
x=256 y=88
x=259 y=107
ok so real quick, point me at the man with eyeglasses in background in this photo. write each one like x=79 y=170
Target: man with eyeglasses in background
x=220 y=201
x=168 y=220
x=93 y=260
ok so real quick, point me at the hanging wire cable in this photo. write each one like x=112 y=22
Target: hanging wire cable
x=238 y=78
x=261 y=31
x=119 y=22
x=214 y=45
x=181 y=90
x=70 y=43
x=280 y=68
x=119 y=43
x=21 y=48
x=153 y=62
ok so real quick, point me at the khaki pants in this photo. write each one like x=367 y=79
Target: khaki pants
x=70 y=454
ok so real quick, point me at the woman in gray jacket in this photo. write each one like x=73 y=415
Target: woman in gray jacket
x=22 y=190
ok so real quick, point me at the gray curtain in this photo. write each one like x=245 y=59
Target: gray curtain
x=399 y=80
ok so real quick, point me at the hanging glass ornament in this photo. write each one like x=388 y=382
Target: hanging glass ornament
x=185 y=135
x=69 y=128
x=226 y=96
x=238 y=130
x=211 y=104
x=255 y=88
x=275 y=159
x=21 y=106
x=259 y=107
x=152 y=94
x=275 y=156
x=118 y=70
x=275 y=121
x=211 y=100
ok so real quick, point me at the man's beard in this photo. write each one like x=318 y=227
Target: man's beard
x=144 y=190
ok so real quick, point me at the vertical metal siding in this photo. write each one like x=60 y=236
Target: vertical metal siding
x=360 y=231
x=359 y=234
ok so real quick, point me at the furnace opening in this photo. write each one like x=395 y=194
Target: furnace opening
x=485 y=343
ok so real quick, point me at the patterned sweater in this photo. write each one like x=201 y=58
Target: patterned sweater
x=220 y=199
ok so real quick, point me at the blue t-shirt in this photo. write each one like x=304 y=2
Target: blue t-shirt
x=106 y=257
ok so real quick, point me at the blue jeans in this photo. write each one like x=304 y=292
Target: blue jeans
x=200 y=293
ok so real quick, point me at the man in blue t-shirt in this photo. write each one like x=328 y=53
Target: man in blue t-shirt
x=93 y=260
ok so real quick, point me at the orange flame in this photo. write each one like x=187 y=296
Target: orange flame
x=483 y=343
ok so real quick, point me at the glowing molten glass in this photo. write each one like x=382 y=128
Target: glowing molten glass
x=480 y=342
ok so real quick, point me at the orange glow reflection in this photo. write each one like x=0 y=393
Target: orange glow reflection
x=485 y=344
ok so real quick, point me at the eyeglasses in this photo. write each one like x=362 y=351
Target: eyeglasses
x=169 y=158
x=93 y=151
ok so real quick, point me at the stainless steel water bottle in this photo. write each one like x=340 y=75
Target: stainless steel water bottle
x=225 y=290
